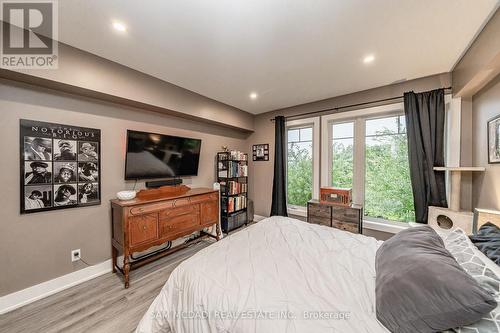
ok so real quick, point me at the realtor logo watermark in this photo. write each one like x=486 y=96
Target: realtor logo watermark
x=29 y=34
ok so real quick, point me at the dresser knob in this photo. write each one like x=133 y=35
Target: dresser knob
x=144 y=228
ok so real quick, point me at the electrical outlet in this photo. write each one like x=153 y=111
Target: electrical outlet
x=76 y=255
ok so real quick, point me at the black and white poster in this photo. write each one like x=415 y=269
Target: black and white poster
x=60 y=166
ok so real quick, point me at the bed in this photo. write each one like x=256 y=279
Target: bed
x=279 y=275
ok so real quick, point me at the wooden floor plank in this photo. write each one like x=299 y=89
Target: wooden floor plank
x=98 y=305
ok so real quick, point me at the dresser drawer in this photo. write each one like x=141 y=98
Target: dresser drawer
x=319 y=210
x=183 y=210
x=204 y=197
x=151 y=207
x=143 y=228
x=352 y=227
x=182 y=202
x=345 y=214
x=170 y=228
x=209 y=212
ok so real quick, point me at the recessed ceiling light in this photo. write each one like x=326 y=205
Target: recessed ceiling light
x=369 y=59
x=119 y=26
x=253 y=95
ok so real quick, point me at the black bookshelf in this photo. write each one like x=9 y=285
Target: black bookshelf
x=232 y=175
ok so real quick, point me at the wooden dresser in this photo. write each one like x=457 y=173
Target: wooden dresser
x=157 y=216
x=349 y=218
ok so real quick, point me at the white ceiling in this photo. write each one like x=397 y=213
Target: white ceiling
x=288 y=51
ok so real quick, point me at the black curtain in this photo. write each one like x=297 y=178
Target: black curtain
x=425 y=129
x=278 y=206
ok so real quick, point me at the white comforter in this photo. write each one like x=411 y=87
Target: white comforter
x=279 y=275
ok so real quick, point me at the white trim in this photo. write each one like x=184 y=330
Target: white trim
x=389 y=227
x=297 y=211
x=257 y=218
x=453 y=128
x=452 y=138
x=358 y=180
x=29 y=295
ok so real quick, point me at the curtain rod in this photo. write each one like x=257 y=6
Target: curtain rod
x=350 y=106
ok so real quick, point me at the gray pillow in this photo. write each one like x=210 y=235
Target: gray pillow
x=483 y=270
x=420 y=287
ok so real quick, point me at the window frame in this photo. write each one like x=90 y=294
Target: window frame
x=371 y=218
x=330 y=150
x=315 y=124
x=359 y=117
x=453 y=107
x=321 y=147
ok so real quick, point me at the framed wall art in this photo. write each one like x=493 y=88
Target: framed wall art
x=60 y=166
x=494 y=140
x=261 y=152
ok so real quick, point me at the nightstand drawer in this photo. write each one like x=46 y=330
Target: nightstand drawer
x=345 y=214
x=319 y=220
x=348 y=218
x=319 y=210
x=352 y=227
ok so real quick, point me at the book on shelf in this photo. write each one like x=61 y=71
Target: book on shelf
x=233 y=187
x=234 y=169
x=234 y=155
x=233 y=204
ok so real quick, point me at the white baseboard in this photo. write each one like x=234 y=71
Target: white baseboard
x=26 y=296
x=257 y=218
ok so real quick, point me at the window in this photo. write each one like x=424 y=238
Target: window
x=367 y=151
x=302 y=164
x=299 y=165
x=388 y=192
x=342 y=155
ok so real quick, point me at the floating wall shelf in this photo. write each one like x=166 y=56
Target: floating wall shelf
x=456 y=179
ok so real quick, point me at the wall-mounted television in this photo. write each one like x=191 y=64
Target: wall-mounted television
x=152 y=155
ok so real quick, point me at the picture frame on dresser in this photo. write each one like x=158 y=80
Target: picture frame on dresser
x=493 y=130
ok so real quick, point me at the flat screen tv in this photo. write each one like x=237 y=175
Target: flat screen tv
x=151 y=155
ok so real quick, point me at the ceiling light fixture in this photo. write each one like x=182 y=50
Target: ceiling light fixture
x=369 y=59
x=119 y=26
x=253 y=95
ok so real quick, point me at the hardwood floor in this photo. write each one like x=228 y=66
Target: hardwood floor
x=98 y=305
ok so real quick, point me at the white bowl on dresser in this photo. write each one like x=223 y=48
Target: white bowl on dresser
x=126 y=195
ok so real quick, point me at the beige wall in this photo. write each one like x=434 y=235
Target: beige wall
x=486 y=186
x=261 y=173
x=481 y=62
x=466 y=148
x=472 y=77
x=36 y=247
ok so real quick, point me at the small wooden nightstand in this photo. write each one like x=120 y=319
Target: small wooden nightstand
x=349 y=218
